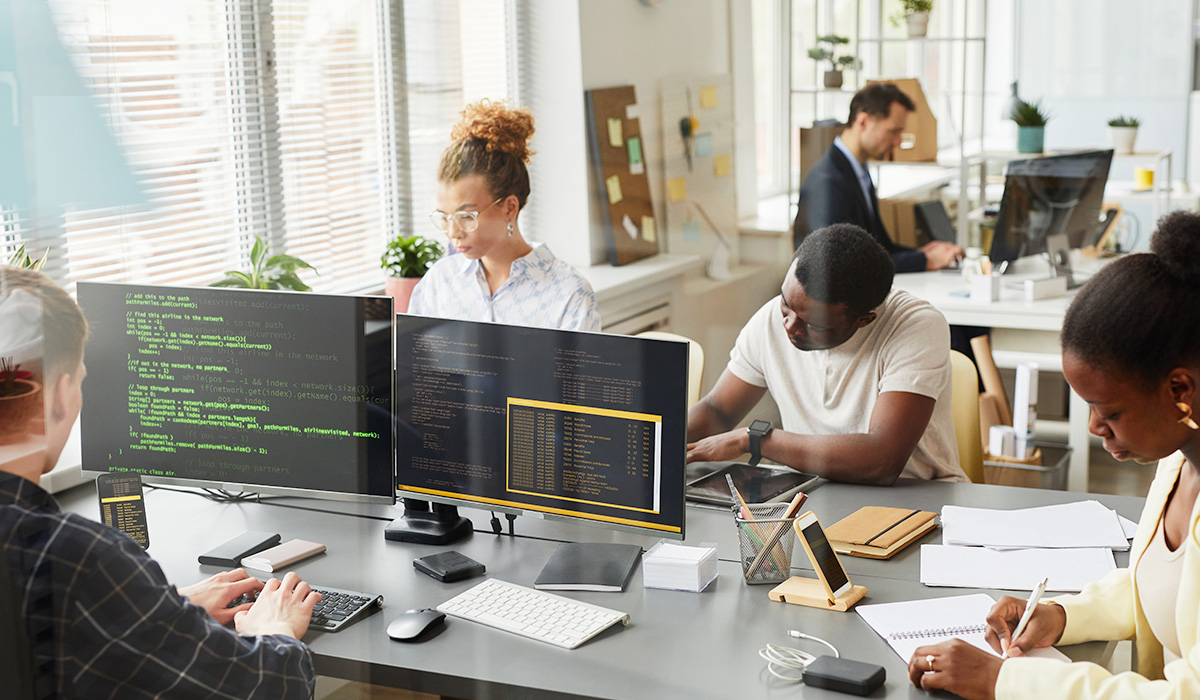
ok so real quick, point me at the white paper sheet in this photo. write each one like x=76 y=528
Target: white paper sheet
x=1014 y=570
x=1079 y=524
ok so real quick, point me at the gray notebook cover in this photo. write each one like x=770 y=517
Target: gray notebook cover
x=589 y=566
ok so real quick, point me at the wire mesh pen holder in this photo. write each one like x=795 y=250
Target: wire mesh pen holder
x=765 y=542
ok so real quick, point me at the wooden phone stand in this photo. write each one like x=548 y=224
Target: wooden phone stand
x=810 y=592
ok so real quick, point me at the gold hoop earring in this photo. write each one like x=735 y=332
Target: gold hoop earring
x=510 y=229
x=1187 y=415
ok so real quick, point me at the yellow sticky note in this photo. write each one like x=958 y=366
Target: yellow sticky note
x=676 y=189
x=721 y=165
x=614 y=190
x=708 y=97
x=615 y=136
x=648 y=231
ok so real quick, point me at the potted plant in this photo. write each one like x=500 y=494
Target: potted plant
x=1031 y=125
x=837 y=64
x=915 y=14
x=1122 y=132
x=407 y=259
x=275 y=272
x=21 y=259
x=20 y=401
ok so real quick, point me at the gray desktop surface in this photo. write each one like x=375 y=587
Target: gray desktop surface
x=679 y=644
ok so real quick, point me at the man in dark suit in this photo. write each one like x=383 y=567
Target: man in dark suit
x=838 y=190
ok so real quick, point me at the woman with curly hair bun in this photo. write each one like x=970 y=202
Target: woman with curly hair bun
x=498 y=276
x=1131 y=349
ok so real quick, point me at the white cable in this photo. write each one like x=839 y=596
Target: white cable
x=789 y=659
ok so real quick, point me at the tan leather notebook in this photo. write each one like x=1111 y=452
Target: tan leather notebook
x=878 y=532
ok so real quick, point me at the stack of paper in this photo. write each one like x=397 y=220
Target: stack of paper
x=1070 y=544
x=1015 y=569
x=1079 y=524
x=678 y=567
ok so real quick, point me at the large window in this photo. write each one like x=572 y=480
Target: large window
x=315 y=124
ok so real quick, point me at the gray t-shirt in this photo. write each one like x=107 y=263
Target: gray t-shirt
x=833 y=392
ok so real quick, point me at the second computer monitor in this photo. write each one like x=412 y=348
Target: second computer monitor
x=1048 y=196
x=588 y=426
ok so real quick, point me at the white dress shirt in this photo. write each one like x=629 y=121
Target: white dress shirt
x=541 y=290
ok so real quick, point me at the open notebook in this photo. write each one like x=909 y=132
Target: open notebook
x=917 y=623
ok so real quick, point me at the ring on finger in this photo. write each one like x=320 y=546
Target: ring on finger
x=929 y=662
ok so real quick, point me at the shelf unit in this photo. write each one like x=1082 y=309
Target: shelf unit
x=870 y=52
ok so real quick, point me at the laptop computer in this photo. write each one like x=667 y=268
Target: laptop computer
x=932 y=218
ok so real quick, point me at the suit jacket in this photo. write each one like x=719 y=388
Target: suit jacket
x=831 y=195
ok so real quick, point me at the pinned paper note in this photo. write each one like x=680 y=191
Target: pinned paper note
x=614 y=190
x=691 y=231
x=648 y=231
x=708 y=97
x=704 y=144
x=721 y=165
x=676 y=189
x=634 y=145
x=615 y=136
x=637 y=168
x=630 y=228
x=631 y=111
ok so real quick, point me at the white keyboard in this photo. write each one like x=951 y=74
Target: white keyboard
x=531 y=613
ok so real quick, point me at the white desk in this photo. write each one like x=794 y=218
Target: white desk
x=1021 y=330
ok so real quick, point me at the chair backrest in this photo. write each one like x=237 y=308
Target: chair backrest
x=964 y=407
x=695 y=361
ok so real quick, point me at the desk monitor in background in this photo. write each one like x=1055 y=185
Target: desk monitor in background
x=1048 y=196
x=586 y=426
x=239 y=390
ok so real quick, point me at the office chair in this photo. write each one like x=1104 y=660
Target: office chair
x=695 y=361
x=964 y=408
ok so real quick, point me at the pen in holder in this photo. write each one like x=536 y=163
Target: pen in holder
x=765 y=539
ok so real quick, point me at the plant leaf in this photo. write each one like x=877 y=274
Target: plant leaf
x=290 y=281
x=234 y=278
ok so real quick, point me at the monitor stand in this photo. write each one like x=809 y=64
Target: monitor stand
x=428 y=523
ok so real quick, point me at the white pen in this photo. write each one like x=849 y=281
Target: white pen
x=1034 y=598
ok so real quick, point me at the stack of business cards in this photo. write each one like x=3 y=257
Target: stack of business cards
x=678 y=567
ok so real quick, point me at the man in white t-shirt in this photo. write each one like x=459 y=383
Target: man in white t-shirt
x=861 y=374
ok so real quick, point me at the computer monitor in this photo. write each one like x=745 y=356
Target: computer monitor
x=241 y=390
x=1048 y=196
x=587 y=426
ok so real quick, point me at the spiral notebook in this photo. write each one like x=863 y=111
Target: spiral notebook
x=917 y=623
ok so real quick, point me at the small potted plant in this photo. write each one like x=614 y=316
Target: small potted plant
x=275 y=272
x=407 y=259
x=915 y=13
x=837 y=64
x=21 y=259
x=1122 y=132
x=20 y=401
x=1031 y=125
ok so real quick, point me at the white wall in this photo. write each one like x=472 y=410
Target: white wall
x=625 y=42
x=1090 y=60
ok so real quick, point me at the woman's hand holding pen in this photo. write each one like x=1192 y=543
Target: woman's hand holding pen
x=1044 y=629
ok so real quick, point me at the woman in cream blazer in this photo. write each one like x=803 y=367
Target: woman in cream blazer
x=1131 y=349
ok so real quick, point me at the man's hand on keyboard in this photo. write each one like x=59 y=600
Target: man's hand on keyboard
x=216 y=592
x=283 y=607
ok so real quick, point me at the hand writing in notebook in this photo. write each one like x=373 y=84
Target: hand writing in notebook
x=970 y=672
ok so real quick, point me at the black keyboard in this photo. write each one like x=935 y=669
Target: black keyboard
x=336 y=609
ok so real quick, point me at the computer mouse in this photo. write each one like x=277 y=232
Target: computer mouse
x=414 y=623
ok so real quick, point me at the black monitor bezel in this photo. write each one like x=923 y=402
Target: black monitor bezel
x=516 y=508
x=240 y=487
x=1000 y=249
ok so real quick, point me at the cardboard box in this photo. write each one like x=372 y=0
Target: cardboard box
x=900 y=221
x=919 y=142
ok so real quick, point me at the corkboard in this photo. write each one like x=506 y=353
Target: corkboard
x=628 y=218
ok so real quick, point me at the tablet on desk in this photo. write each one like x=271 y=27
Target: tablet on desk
x=756 y=484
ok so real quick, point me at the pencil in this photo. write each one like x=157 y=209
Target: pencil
x=757 y=535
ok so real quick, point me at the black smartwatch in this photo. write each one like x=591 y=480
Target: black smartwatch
x=758 y=430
